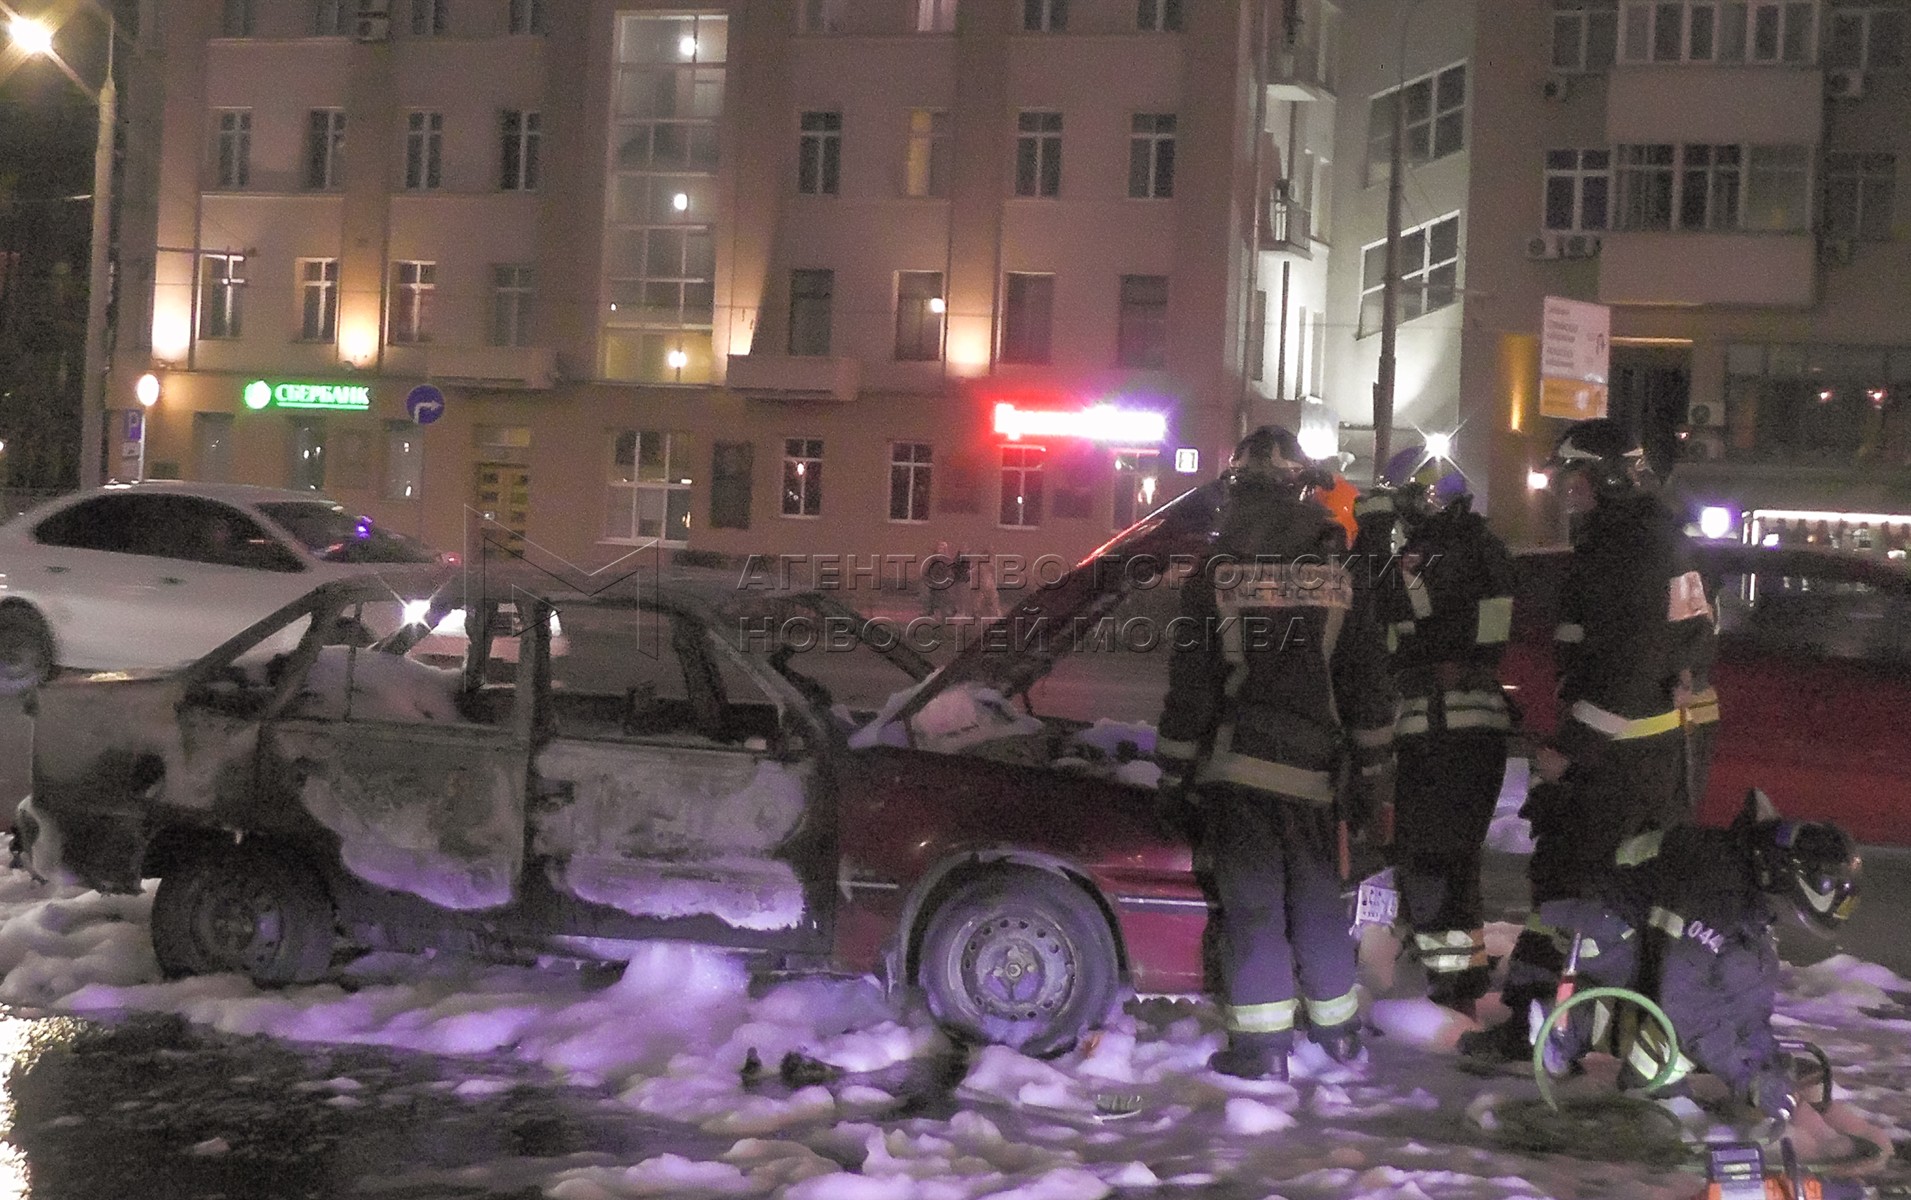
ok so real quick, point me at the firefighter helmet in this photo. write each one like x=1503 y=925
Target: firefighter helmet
x=1812 y=864
x=1613 y=458
x=1418 y=483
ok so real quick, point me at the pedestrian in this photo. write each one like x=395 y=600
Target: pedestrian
x=1634 y=621
x=1276 y=680
x=1686 y=920
x=1447 y=603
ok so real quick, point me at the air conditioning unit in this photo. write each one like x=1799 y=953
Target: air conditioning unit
x=1579 y=245
x=1544 y=245
x=1844 y=85
x=1705 y=414
x=1557 y=88
x=372 y=27
x=1834 y=252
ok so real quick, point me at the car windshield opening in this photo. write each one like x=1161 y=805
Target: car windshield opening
x=335 y=535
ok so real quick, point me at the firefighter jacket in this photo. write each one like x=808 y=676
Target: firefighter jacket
x=1681 y=920
x=1634 y=623
x=1277 y=671
x=1448 y=602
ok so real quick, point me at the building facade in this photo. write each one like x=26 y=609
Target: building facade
x=850 y=276
x=868 y=276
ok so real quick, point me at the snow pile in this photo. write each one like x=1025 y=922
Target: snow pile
x=1130 y=1111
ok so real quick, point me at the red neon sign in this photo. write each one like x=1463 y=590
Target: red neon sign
x=1101 y=423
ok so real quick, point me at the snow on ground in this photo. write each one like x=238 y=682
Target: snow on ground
x=670 y=1037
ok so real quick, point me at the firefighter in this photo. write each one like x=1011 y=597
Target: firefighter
x=1276 y=682
x=1686 y=919
x=1634 y=622
x=1447 y=600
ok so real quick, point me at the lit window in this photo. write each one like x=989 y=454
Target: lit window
x=318 y=299
x=1021 y=505
x=221 y=294
x=802 y=477
x=926 y=166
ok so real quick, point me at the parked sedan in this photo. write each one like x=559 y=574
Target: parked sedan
x=155 y=575
x=733 y=787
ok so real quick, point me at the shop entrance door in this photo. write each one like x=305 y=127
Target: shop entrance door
x=502 y=494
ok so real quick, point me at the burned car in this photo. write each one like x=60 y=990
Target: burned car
x=333 y=799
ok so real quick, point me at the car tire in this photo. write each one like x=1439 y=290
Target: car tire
x=26 y=650
x=255 y=911
x=1020 y=958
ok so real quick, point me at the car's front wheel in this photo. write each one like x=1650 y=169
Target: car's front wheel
x=26 y=650
x=256 y=911
x=1021 y=958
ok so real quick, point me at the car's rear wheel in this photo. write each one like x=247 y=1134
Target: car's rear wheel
x=26 y=650
x=259 y=912
x=1021 y=958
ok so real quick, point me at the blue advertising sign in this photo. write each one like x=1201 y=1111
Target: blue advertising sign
x=425 y=403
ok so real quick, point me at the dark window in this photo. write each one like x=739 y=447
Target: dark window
x=1022 y=485
x=731 y=465
x=919 y=309
x=1158 y=16
x=819 y=160
x=810 y=298
x=1151 y=156
x=522 y=135
x=1141 y=338
x=1038 y=154
x=910 y=464
x=1044 y=16
x=527 y=16
x=325 y=149
x=1028 y=308
x=802 y=477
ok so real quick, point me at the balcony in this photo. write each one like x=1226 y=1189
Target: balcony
x=1297 y=71
x=794 y=378
x=513 y=367
x=1702 y=105
x=1776 y=270
x=1288 y=228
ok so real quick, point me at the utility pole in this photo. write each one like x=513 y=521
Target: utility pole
x=99 y=281
x=1390 y=287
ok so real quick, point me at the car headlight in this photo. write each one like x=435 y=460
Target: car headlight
x=416 y=611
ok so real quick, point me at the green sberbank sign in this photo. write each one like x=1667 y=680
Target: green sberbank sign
x=341 y=397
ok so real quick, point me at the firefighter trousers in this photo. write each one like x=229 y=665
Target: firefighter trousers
x=1630 y=787
x=1444 y=797
x=1286 y=950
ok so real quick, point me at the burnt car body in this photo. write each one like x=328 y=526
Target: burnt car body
x=334 y=799
x=1813 y=675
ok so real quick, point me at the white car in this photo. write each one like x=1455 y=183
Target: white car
x=151 y=576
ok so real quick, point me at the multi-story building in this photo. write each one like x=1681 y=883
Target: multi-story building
x=855 y=276
x=1723 y=176
x=862 y=276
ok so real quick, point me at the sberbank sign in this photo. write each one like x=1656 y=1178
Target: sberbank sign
x=352 y=397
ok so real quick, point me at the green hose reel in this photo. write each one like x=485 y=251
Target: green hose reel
x=1667 y=1069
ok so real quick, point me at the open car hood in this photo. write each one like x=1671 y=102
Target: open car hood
x=1015 y=651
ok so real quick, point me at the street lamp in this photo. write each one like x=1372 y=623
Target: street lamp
x=36 y=38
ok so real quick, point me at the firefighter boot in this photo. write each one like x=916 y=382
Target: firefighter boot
x=1340 y=1042
x=1503 y=1043
x=1253 y=1056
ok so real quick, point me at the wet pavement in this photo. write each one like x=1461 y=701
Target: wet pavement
x=152 y=1106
